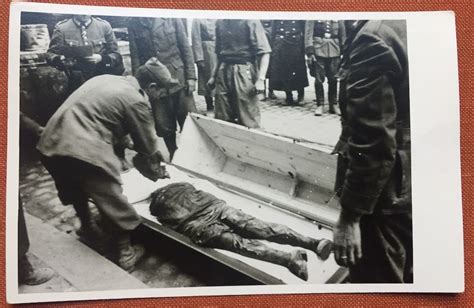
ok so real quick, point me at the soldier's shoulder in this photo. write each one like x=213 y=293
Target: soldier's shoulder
x=101 y=21
x=63 y=23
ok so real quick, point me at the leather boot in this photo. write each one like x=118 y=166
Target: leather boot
x=209 y=103
x=127 y=255
x=32 y=276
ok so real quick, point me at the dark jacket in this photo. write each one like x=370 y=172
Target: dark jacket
x=324 y=38
x=166 y=39
x=95 y=118
x=99 y=35
x=376 y=175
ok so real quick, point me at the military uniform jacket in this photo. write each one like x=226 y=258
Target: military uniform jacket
x=67 y=34
x=95 y=117
x=324 y=38
x=375 y=92
x=164 y=38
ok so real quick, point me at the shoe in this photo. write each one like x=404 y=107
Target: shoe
x=32 y=276
x=300 y=101
x=334 y=109
x=318 y=111
x=129 y=256
x=95 y=238
x=289 y=101
x=272 y=95
x=324 y=249
x=297 y=264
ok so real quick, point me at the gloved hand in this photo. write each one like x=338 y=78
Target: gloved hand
x=150 y=166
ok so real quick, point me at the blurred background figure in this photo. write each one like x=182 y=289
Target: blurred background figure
x=323 y=41
x=267 y=26
x=84 y=47
x=204 y=48
x=243 y=53
x=287 y=65
x=166 y=39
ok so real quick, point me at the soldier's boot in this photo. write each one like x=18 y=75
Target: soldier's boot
x=209 y=103
x=300 y=97
x=127 y=255
x=319 y=89
x=294 y=261
x=170 y=142
x=289 y=98
x=31 y=276
x=90 y=233
x=332 y=97
x=271 y=95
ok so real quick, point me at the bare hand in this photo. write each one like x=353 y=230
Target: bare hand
x=190 y=86
x=347 y=240
x=211 y=84
x=94 y=59
x=312 y=59
x=260 y=86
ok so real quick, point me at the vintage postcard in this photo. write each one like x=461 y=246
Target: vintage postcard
x=157 y=153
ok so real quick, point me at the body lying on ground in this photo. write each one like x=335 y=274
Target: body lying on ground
x=209 y=221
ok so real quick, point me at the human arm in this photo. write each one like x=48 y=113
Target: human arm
x=186 y=55
x=372 y=69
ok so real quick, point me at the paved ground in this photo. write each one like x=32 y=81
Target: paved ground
x=160 y=269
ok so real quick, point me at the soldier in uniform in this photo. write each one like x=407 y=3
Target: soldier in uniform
x=323 y=41
x=373 y=235
x=166 y=39
x=287 y=66
x=84 y=47
x=77 y=148
x=204 y=48
x=243 y=53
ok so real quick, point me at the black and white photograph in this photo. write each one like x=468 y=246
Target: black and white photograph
x=175 y=153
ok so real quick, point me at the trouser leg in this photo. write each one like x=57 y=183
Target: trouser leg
x=387 y=250
x=294 y=261
x=332 y=69
x=171 y=145
x=245 y=99
x=209 y=103
x=223 y=109
x=23 y=240
x=252 y=227
x=320 y=76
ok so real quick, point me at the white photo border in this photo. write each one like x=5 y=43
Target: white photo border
x=435 y=132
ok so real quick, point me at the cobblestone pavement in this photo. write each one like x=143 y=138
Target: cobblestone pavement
x=40 y=197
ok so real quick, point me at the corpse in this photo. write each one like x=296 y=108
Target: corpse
x=209 y=221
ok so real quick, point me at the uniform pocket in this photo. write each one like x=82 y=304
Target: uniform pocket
x=98 y=45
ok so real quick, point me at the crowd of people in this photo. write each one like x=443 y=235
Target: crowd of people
x=106 y=112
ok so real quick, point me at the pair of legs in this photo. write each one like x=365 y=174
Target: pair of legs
x=242 y=233
x=289 y=97
x=27 y=274
x=326 y=68
x=236 y=96
x=78 y=182
x=387 y=248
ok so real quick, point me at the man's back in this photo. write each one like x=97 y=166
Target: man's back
x=94 y=118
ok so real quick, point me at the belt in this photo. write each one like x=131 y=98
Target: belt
x=236 y=61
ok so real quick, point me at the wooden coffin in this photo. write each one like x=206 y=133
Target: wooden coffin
x=274 y=178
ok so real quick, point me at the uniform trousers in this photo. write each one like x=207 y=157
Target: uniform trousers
x=78 y=181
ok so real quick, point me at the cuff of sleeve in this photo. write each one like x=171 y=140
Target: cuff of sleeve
x=357 y=203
